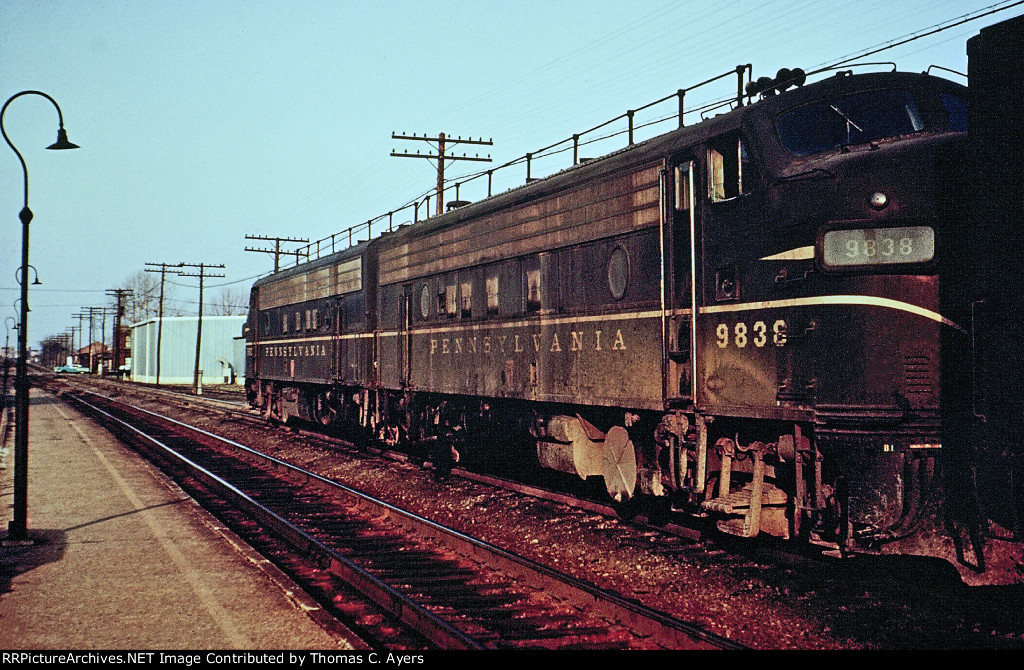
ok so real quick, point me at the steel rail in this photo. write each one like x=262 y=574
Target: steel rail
x=636 y=617
x=385 y=596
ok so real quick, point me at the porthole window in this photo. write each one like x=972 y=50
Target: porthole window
x=425 y=302
x=618 y=272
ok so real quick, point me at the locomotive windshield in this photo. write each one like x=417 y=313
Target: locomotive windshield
x=854 y=119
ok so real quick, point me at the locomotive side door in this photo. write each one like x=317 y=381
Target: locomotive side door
x=746 y=351
x=680 y=276
x=404 y=336
x=337 y=328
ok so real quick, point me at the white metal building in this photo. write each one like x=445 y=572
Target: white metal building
x=221 y=358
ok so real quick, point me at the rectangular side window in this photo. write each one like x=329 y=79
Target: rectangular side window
x=727 y=162
x=450 y=302
x=467 y=299
x=284 y=323
x=682 y=187
x=492 y=295
x=533 y=290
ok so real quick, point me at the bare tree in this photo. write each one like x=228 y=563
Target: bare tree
x=228 y=303
x=143 y=302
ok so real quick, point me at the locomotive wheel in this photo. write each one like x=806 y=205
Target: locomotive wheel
x=619 y=464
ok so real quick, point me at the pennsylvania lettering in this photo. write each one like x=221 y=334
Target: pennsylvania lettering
x=502 y=343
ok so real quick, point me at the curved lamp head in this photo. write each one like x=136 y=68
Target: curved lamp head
x=62 y=141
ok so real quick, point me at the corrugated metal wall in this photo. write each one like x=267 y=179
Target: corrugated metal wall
x=220 y=359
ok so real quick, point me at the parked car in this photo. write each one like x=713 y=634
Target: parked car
x=72 y=369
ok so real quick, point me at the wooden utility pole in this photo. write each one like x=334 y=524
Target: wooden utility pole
x=120 y=294
x=443 y=143
x=71 y=333
x=160 y=324
x=277 y=251
x=197 y=383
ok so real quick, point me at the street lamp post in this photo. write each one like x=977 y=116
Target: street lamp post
x=18 y=527
x=7 y=355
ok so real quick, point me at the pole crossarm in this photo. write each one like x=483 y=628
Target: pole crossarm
x=277 y=250
x=443 y=142
x=447 y=157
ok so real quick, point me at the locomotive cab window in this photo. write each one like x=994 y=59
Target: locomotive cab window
x=956 y=107
x=854 y=119
x=729 y=174
x=284 y=323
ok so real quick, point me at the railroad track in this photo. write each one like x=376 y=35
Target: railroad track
x=396 y=580
x=643 y=520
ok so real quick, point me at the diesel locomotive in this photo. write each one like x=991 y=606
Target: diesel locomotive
x=762 y=319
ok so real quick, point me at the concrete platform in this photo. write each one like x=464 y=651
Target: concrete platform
x=123 y=559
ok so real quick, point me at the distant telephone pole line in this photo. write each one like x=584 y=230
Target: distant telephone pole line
x=162 y=268
x=92 y=313
x=277 y=251
x=197 y=383
x=80 y=316
x=443 y=143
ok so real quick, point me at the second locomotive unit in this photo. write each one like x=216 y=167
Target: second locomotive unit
x=755 y=318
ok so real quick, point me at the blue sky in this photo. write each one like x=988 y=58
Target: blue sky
x=202 y=122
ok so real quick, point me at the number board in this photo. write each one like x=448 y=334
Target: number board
x=868 y=247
